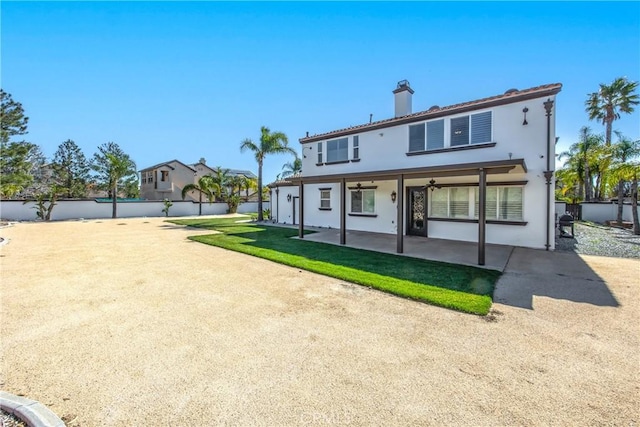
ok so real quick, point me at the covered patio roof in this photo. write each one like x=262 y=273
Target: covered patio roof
x=461 y=169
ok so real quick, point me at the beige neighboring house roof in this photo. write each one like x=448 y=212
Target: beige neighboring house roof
x=167 y=164
x=509 y=97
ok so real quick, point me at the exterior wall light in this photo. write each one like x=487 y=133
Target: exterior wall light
x=525 y=110
x=393 y=196
x=289 y=197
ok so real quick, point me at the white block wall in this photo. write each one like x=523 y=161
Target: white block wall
x=16 y=210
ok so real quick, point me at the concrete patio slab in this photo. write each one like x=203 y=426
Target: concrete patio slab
x=451 y=251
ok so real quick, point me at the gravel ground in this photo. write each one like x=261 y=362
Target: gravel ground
x=125 y=322
x=10 y=420
x=597 y=239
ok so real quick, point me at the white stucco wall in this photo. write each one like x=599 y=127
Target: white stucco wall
x=14 y=210
x=282 y=210
x=601 y=212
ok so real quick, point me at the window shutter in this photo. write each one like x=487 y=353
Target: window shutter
x=460 y=131
x=481 y=128
x=435 y=134
x=416 y=137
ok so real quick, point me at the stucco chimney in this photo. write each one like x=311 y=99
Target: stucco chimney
x=402 y=95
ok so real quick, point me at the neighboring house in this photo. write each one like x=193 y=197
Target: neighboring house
x=429 y=173
x=166 y=180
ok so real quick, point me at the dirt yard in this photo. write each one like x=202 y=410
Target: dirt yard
x=125 y=322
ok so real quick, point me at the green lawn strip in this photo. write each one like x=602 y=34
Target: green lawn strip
x=463 y=288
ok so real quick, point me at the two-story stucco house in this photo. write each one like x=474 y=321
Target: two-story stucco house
x=478 y=171
x=166 y=180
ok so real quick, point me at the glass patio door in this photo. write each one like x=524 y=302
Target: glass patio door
x=417 y=211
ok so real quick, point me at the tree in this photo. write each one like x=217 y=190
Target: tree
x=248 y=184
x=12 y=119
x=270 y=143
x=611 y=100
x=624 y=150
x=71 y=169
x=291 y=168
x=585 y=159
x=113 y=168
x=205 y=185
x=15 y=165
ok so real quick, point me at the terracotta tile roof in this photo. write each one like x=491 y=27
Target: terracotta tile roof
x=285 y=181
x=508 y=97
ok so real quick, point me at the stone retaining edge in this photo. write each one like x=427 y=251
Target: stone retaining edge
x=33 y=413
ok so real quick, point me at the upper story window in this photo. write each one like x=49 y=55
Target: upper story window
x=472 y=129
x=319 y=152
x=149 y=177
x=426 y=136
x=363 y=201
x=338 y=150
x=356 y=147
x=164 y=176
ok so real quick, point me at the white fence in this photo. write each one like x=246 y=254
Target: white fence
x=17 y=210
x=601 y=212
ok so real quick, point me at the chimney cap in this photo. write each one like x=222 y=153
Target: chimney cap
x=402 y=86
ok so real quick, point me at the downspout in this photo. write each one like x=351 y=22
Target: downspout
x=548 y=174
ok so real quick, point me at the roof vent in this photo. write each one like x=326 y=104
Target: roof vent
x=510 y=91
x=434 y=107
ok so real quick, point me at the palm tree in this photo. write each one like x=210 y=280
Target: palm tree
x=113 y=168
x=221 y=181
x=611 y=100
x=248 y=184
x=584 y=158
x=270 y=143
x=291 y=168
x=624 y=150
x=205 y=185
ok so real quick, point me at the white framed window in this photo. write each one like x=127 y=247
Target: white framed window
x=472 y=129
x=325 y=198
x=149 y=177
x=503 y=203
x=338 y=150
x=319 y=152
x=426 y=136
x=363 y=201
x=356 y=147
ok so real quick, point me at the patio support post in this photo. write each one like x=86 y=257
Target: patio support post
x=482 y=217
x=343 y=212
x=548 y=174
x=400 y=216
x=301 y=201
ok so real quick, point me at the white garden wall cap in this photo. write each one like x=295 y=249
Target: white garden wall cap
x=33 y=413
x=505 y=98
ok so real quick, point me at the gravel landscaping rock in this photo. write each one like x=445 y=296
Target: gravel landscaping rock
x=600 y=240
x=10 y=420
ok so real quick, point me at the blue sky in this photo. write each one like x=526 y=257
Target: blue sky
x=185 y=80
